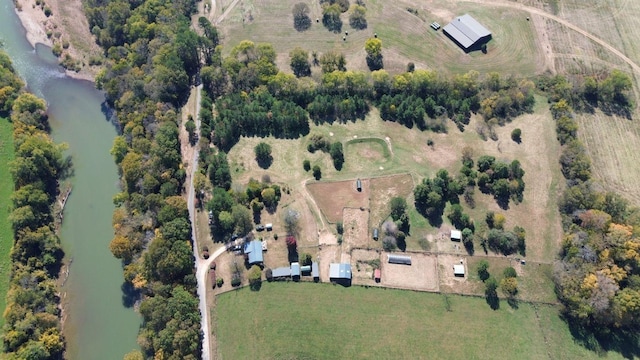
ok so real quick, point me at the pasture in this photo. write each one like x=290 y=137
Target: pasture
x=6 y=189
x=307 y=321
x=406 y=36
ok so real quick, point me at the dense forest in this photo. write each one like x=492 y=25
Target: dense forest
x=32 y=329
x=153 y=58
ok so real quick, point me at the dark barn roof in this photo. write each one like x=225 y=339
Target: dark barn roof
x=466 y=31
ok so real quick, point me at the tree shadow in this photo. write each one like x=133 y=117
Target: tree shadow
x=503 y=202
x=129 y=294
x=493 y=300
x=255 y=285
x=469 y=247
x=401 y=243
x=292 y=254
x=600 y=341
x=513 y=303
x=265 y=162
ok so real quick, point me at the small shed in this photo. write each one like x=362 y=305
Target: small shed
x=359 y=185
x=295 y=270
x=456 y=235
x=376 y=275
x=306 y=269
x=340 y=271
x=375 y=234
x=253 y=252
x=399 y=259
x=458 y=270
x=281 y=272
x=315 y=271
x=268 y=226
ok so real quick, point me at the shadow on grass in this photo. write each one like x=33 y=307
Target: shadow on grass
x=601 y=341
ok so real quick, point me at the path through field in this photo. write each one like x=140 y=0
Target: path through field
x=561 y=21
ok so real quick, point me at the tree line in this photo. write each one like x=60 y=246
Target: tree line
x=153 y=58
x=598 y=276
x=32 y=329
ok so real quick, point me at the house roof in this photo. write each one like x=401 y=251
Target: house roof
x=295 y=269
x=253 y=250
x=466 y=30
x=456 y=234
x=315 y=272
x=340 y=271
x=458 y=269
x=376 y=274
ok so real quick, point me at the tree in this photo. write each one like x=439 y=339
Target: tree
x=291 y=242
x=336 y=155
x=389 y=243
x=510 y=272
x=255 y=278
x=190 y=126
x=306 y=165
x=398 y=207
x=516 y=135
x=373 y=47
x=509 y=286
x=300 y=62
x=331 y=18
x=357 y=19
x=263 y=155
x=291 y=219
x=490 y=293
x=301 y=20
x=242 y=219
x=332 y=61
x=483 y=270
x=269 y=198
x=317 y=173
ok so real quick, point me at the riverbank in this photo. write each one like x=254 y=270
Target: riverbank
x=66 y=29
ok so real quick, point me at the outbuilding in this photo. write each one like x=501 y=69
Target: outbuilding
x=340 y=273
x=458 y=270
x=295 y=270
x=376 y=275
x=375 y=234
x=467 y=32
x=281 y=272
x=315 y=271
x=268 y=226
x=359 y=185
x=399 y=259
x=456 y=235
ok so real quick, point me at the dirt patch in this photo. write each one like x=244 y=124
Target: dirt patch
x=422 y=274
x=332 y=197
x=361 y=270
x=356 y=228
x=448 y=281
x=326 y=256
x=383 y=189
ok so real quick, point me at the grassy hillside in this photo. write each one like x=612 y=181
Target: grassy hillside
x=306 y=320
x=6 y=187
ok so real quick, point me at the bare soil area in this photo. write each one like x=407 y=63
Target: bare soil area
x=356 y=228
x=361 y=270
x=422 y=274
x=333 y=196
x=326 y=256
x=449 y=282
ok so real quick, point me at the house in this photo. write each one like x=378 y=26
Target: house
x=253 y=252
x=340 y=273
x=456 y=235
x=467 y=32
x=295 y=270
x=315 y=271
x=375 y=234
x=376 y=275
x=281 y=272
x=399 y=259
x=458 y=270
x=359 y=185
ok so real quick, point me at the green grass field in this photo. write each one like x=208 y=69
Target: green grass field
x=311 y=321
x=6 y=188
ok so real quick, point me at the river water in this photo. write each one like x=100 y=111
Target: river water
x=97 y=326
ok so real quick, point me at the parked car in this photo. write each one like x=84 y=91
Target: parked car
x=260 y=227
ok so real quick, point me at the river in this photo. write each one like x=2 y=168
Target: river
x=97 y=326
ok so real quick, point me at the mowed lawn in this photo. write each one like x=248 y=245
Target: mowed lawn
x=323 y=321
x=6 y=188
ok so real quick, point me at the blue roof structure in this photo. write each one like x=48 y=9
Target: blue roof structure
x=253 y=250
x=281 y=272
x=340 y=271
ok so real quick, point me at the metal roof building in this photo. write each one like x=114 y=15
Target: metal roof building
x=399 y=259
x=456 y=235
x=295 y=269
x=253 y=250
x=467 y=32
x=281 y=272
x=315 y=271
x=340 y=271
x=458 y=270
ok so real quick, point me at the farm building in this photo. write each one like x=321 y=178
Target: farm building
x=399 y=259
x=295 y=270
x=375 y=234
x=306 y=269
x=467 y=32
x=339 y=271
x=456 y=235
x=268 y=226
x=376 y=275
x=315 y=271
x=458 y=270
x=253 y=252
x=359 y=185
x=281 y=272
